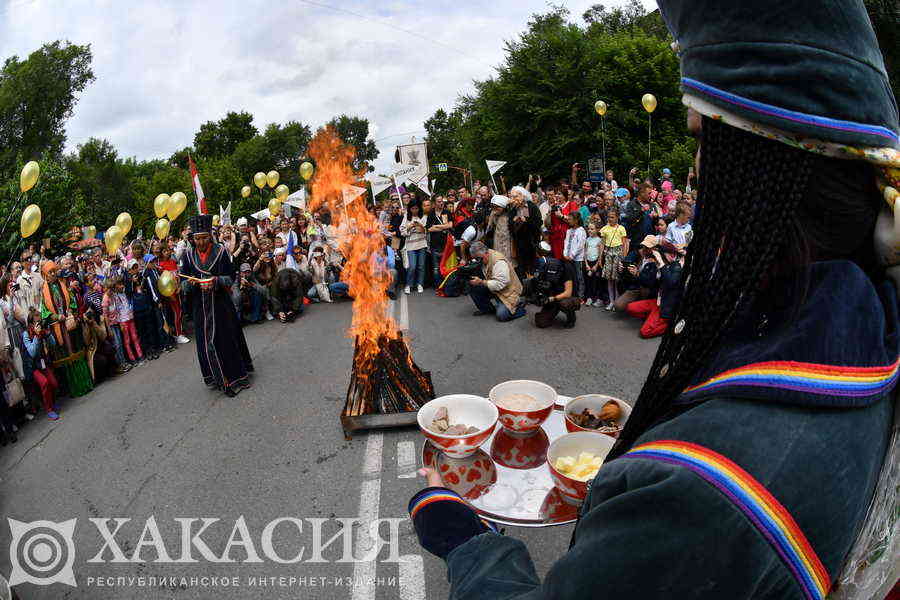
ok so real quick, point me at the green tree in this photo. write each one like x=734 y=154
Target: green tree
x=355 y=132
x=220 y=138
x=56 y=194
x=37 y=96
x=537 y=111
x=103 y=182
x=444 y=146
x=885 y=14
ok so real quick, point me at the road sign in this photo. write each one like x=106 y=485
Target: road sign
x=442 y=167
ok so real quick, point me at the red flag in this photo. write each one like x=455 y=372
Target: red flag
x=448 y=257
x=198 y=190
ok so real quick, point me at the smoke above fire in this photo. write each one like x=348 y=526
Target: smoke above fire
x=360 y=240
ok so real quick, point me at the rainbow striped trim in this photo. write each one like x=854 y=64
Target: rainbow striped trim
x=433 y=496
x=811 y=378
x=765 y=512
x=789 y=115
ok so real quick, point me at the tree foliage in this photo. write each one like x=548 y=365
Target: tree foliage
x=220 y=138
x=37 y=96
x=355 y=132
x=537 y=112
x=885 y=15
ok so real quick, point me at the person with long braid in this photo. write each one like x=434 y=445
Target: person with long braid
x=761 y=457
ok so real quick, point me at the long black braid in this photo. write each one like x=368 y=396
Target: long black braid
x=751 y=189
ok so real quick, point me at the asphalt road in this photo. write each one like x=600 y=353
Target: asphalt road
x=156 y=443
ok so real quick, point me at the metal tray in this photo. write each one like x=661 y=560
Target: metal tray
x=507 y=480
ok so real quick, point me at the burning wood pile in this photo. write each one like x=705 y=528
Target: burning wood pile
x=386 y=389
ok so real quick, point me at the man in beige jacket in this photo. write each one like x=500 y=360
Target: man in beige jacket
x=500 y=291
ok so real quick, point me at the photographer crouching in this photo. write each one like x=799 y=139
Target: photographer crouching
x=551 y=289
x=499 y=293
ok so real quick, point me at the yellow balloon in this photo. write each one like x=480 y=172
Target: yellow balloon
x=29 y=177
x=259 y=180
x=123 y=221
x=113 y=239
x=31 y=220
x=90 y=232
x=600 y=107
x=115 y=232
x=274 y=206
x=177 y=204
x=167 y=284
x=162 y=228
x=216 y=220
x=649 y=102
x=161 y=205
x=282 y=192
x=272 y=178
x=306 y=170
x=245 y=191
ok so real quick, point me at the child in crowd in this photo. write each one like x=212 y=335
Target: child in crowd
x=573 y=249
x=613 y=248
x=592 y=265
x=120 y=318
x=142 y=307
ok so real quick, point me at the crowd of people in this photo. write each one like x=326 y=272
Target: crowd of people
x=75 y=318
x=595 y=244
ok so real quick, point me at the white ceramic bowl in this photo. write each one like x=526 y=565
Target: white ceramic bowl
x=573 y=444
x=595 y=402
x=464 y=409
x=524 y=420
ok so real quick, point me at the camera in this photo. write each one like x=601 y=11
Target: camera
x=537 y=291
x=470 y=270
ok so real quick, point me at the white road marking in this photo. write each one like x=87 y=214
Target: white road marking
x=404 y=313
x=369 y=498
x=406 y=460
x=412 y=577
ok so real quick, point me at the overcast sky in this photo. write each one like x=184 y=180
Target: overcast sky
x=164 y=68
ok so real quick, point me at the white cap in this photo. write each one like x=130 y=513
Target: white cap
x=500 y=201
x=545 y=247
x=242 y=221
x=131 y=263
x=278 y=252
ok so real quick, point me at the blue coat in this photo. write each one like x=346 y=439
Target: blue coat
x=798 y=405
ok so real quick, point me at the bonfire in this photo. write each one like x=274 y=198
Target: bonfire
x=386 y=386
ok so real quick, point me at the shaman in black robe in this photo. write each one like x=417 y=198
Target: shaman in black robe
x=221 y=348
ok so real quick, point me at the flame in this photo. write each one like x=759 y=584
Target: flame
x=360 y=241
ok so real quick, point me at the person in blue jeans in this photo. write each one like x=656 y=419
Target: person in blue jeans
x=414 y=229
x=500 y=293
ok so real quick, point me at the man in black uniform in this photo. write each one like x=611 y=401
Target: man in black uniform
x=551 y=289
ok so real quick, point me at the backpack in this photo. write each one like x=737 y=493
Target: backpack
x=552 y=271
x=452 y=285
x=460 y=227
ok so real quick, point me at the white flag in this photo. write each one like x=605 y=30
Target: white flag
x=423 y=185
x=404 y=173
x=297 y=199
x=413 y=154
x=379 y=183
x=494 y=165
x=351 y=193
x=225 y=215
